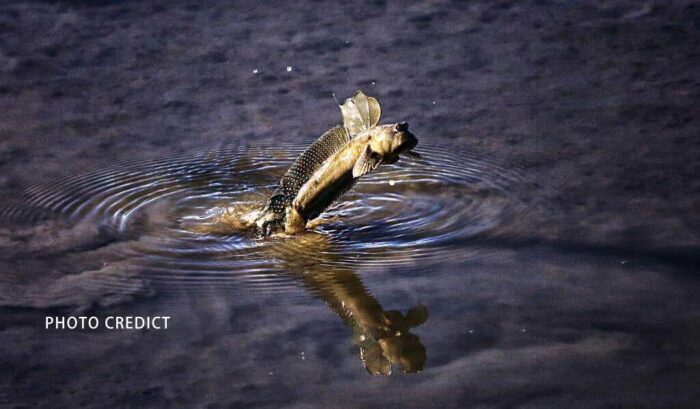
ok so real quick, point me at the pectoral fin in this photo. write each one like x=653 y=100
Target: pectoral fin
x=368 y=161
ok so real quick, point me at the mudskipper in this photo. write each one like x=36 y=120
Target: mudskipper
x=332 y=165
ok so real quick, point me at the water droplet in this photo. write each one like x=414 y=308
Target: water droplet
x=289 y=68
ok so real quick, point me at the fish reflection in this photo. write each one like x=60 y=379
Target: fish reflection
x=383 y=337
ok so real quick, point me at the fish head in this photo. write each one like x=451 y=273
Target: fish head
x=405 y=350
x=389 y=141
x=384 y=144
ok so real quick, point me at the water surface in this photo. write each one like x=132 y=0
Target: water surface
x=543 y=254
x=417 y=270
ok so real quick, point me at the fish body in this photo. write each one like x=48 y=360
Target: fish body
x=333 y=164
x=333 y=178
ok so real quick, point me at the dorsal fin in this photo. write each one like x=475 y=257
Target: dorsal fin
x=360 y=113
x=308 y=162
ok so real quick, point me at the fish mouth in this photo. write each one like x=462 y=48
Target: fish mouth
x=409 y=142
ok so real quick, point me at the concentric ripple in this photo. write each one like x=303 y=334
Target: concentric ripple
x=163 y=215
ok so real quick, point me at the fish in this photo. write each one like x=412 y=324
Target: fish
x=332 y=165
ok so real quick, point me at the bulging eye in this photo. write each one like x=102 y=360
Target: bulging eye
x=401 y=127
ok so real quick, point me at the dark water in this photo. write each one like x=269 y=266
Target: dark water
x=422 y=269
x=163 y=216
x=543 y=254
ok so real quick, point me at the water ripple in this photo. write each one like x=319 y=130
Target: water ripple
x=401 y=216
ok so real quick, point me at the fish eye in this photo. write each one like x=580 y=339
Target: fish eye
x=401 y=126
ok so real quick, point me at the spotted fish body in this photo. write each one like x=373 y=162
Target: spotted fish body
x=303 y=167
x=333 y=164
x=331 y=180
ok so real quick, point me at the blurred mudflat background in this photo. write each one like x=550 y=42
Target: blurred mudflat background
x=561 y=152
